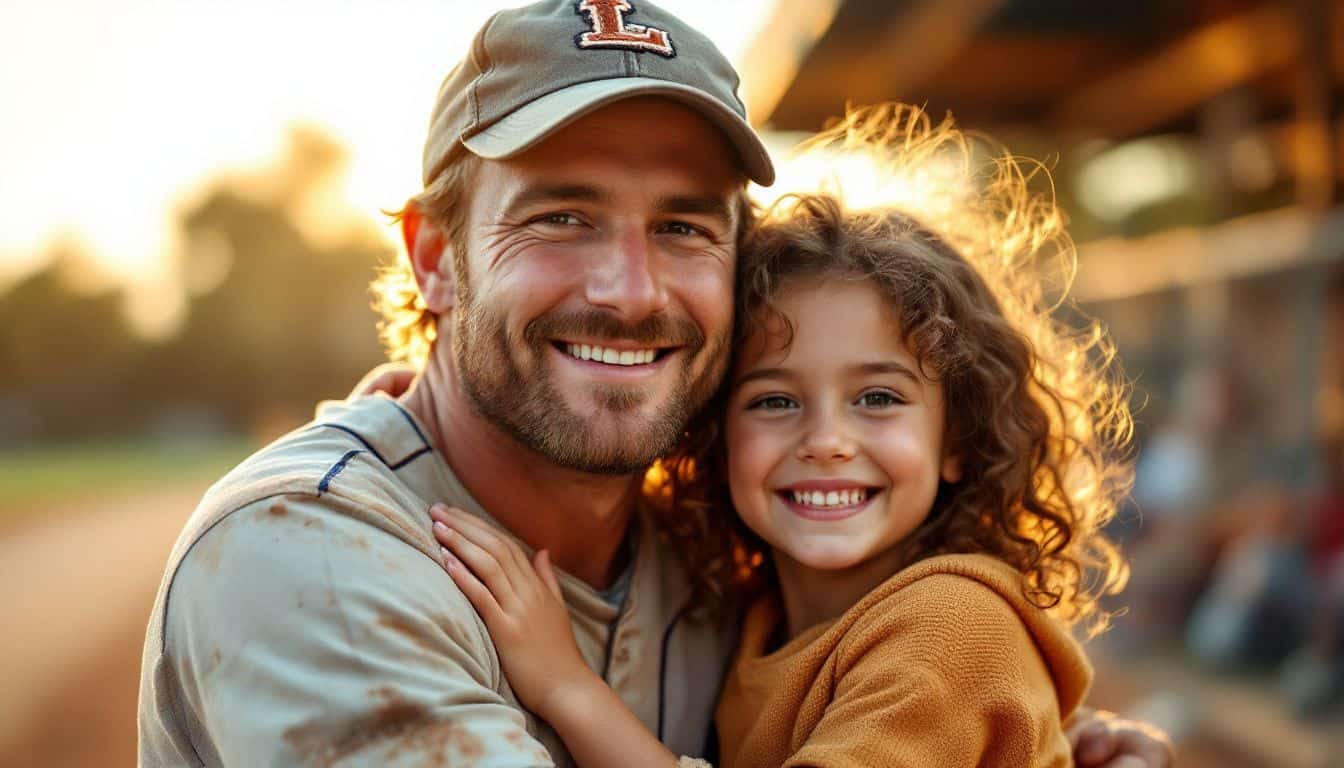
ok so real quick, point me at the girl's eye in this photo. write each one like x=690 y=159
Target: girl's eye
x=772 y=403
x=879 y=398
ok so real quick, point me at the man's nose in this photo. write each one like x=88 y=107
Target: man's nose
x=627 y=280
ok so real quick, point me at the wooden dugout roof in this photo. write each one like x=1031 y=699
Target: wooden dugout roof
x=1108 y=68
x=1066 y=70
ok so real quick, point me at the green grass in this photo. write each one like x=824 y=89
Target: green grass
x=55 y=472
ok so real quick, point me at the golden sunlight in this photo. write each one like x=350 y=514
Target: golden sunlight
x=119 y=117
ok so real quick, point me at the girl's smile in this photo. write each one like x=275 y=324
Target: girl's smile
x=828 y=499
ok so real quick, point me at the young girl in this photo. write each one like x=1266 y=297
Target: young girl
x=919 y=457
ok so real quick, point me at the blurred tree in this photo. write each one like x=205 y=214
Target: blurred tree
x=66 y=355
x=276 y=319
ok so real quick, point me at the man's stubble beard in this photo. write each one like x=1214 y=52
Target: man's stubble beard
x=526 y=405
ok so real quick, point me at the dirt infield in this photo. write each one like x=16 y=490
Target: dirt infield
x=77 y=581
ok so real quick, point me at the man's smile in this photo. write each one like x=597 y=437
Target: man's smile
x=610 y=355
x=615 y=355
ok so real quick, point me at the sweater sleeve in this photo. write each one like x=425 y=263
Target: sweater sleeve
x=942 y=673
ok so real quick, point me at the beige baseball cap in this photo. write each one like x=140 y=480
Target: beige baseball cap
x=532 y=70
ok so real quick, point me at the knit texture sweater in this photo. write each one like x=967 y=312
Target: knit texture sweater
x=944 y=664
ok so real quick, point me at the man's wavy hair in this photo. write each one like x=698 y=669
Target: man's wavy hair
x=408 y=327
x=976 y=267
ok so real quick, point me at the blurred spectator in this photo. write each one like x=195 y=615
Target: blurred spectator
x=1176 y=483
x=1313 y=679
x=1173 y=471
x=1255 y=609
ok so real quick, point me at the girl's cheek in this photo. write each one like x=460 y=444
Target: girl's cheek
x=750 y=461
x=742 y=463
x=898 y=439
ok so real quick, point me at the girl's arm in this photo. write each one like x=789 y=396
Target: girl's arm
x=522 y=607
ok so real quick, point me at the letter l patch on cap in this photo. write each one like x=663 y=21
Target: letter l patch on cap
x=609 y=30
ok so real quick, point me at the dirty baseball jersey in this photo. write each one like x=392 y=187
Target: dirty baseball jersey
x=304 y=619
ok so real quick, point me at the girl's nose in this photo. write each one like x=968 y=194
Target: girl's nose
x=826 y=442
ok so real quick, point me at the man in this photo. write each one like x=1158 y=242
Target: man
x=572 y=259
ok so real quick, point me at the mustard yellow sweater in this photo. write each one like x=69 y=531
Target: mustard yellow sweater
x=944 y=664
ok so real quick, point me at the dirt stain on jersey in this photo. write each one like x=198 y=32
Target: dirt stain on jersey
x=396 y=728
x=207 y=549
x=216 y=658
x=405 y=628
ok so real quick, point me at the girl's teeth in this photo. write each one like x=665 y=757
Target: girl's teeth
x=830 y=498
x=611 y=356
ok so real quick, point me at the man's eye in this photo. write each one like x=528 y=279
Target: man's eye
x=879 y=398
x=772 y=403
x=681 y=228
x=559 y=219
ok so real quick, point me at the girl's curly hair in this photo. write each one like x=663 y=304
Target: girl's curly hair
x=1037 y=408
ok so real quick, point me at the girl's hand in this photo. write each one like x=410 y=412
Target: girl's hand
x=391 y=378
x=522 y=607
x=525 y=613
x=1103 y=740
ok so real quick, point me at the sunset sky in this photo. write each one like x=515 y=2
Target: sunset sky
x=113 y=114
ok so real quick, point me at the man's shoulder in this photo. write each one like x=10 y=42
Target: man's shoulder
x=348 y=444
x=295 y=605
x=323 y=502
x=345 y=461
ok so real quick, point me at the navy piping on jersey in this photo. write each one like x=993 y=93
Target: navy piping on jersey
x=374 y=451
x=336 y=470
x=409 y=420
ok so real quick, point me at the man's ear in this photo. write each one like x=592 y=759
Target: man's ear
x=431 y=260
